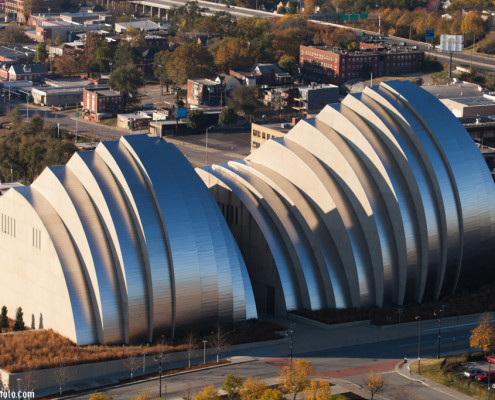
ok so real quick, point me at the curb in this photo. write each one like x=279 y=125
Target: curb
x=431 y=384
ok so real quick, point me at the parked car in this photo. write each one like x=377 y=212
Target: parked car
x=483 y=377
x=491 y=359
x=472 y=372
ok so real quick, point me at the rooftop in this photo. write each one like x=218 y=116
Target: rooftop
x=474 y=101
x=454 y=91
x=387 y=49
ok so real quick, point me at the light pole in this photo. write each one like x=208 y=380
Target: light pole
x=290 y=333
x=207 y=129
x=159 y=358
x=440 y=314
x=144 y=362
x=204 y=351
x=419 y=344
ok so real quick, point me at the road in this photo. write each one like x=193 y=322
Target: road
x=346 y=366
x=211 y=8
x=223 y=145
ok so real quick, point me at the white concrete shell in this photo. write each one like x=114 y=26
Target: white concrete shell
x=388 y=180
x=121 y=244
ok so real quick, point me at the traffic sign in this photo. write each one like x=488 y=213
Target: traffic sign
x=77 y=114
x=28 y=98
x=363 y=16
x=354 y=16
x=344 y=17
x=430 y=34
x=182 y=112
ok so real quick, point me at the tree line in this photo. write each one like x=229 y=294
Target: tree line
x=29 y=147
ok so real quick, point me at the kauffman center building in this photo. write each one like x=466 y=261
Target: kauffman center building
x=383 y=199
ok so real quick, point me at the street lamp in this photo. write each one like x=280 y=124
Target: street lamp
x=440 y=315
x=290 y=333
x=204 y=351
x=207 y=129
x=419 y=345
x=159 y=358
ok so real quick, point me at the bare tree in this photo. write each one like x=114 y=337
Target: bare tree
x=62 y=375
x=218 y=340
x=192 y=346
x=132 y=363
x=29 y=380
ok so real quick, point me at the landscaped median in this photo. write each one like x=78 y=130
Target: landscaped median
x=448 y=371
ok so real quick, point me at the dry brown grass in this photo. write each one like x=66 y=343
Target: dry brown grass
x=47 y=349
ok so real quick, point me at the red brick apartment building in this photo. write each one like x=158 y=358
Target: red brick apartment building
x=333 y=65
x=101 y=101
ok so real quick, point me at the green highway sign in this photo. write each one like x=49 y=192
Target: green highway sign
x=354 y=16
x=363 y=16
x=77 y=114
x=344 y=17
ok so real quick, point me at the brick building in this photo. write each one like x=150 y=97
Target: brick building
x=101 y=101
x=332 y=65
x=27 y=72
x=14 y=10
x=205 y=91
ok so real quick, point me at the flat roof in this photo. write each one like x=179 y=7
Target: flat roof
x=454 y=91
x=103 y=92
x=364 y=52
x=474 y=101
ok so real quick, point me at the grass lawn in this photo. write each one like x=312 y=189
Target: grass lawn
x=109 y=121
x=450 y=375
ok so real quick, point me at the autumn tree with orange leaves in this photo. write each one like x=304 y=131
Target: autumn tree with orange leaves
x=373 y=383
x=483 y=336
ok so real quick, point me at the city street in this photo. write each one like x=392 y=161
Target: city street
x=333 y=358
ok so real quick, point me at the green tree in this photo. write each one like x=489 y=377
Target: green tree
x=13 y=34
x=19 y=321
x=288 y=64
x=125 y=54
x=227 y=116
x=196 y=119
x=41 y=54
x=159 y=68
x=15 y=118
x=127 y=80
x=244 y=99
x=4 y=320
x=231 y=385
x=189 y=61
x=58 y=40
